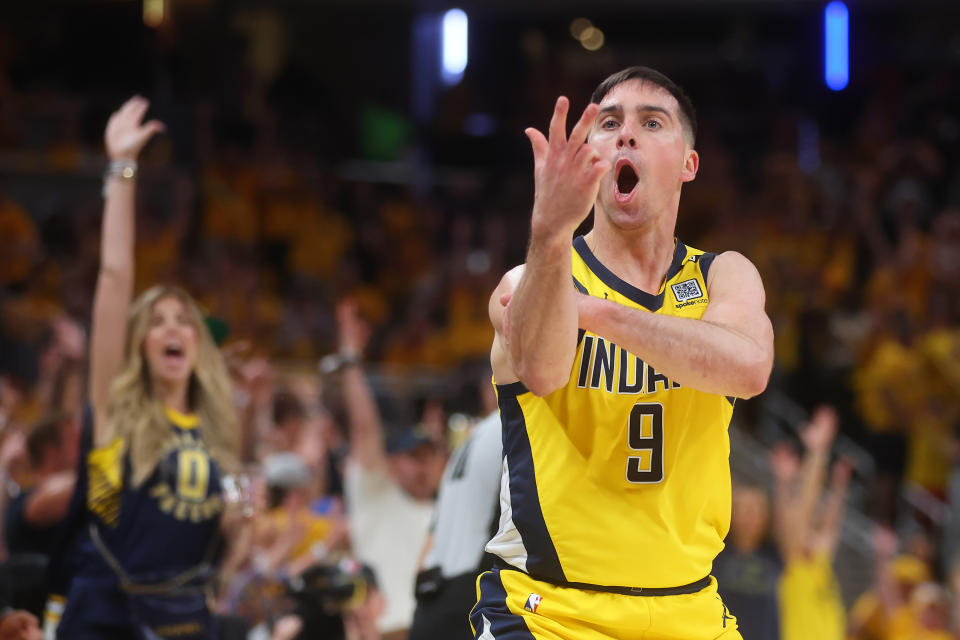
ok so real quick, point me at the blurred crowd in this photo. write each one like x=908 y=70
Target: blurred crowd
x=856 y=233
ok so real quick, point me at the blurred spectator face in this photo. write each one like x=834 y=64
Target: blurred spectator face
x=651 y=142
x=171 y=342
x=908 y=572
x=289 y=416
x=921 y=546
x=413 y=471
x=750 y=517
x=53 y=444
x=931 y=606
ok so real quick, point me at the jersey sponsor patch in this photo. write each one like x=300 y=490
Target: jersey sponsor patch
x=533 y=602
x=687 y=290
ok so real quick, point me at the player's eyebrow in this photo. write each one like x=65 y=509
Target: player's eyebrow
x=617 y=108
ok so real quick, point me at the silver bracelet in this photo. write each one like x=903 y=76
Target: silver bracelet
x=123 y=169
x=337 y=362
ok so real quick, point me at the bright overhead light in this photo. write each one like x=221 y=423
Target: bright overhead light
x=836 y=45
x=454 y=47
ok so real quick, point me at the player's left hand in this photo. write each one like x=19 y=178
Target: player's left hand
x=567 y=173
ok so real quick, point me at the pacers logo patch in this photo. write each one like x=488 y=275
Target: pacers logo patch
x=533 y=602
x=687 y=290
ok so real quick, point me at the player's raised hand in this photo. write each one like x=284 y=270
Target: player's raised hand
x=126 y=132
x=567 y=172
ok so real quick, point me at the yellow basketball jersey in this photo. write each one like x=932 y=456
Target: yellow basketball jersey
x=622 y=477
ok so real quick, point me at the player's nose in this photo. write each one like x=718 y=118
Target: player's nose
x=626 y=138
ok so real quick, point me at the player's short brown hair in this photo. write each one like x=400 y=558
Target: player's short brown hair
x=688 y=115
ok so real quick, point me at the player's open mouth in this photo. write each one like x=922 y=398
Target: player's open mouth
x=625 y=184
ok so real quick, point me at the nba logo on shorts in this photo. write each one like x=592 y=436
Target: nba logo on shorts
x=532 y=603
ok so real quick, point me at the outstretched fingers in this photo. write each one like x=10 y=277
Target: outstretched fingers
x=593 y=167
x=154 y=126
x=138 y=109
x=539 y=144
x=558 y=124
x=580 y=130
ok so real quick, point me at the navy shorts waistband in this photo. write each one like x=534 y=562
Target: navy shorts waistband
x=650 y=592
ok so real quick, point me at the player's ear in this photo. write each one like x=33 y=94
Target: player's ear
x=690 y=166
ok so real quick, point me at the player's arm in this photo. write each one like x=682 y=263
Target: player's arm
x=367 y=445
x=500 y=359
x=729 y=351
x=125 y=136
x=543 y=310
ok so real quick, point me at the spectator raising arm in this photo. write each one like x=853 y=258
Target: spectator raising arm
x=125 y=137
x=366 y=431
x=797 y=511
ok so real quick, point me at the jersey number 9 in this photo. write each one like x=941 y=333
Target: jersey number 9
x=646 y=468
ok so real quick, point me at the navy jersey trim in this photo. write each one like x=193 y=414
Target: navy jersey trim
x=580 y=287
x=513 y=389
x=542 y=558
x=492 y=605
x=649 y=301
x=705 y=261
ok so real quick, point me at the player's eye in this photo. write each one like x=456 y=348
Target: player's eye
x=609 y=124
x=652 y=124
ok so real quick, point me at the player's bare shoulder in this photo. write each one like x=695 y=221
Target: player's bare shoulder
x=732 y=271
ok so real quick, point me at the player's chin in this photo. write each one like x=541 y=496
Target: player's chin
x=626 y=216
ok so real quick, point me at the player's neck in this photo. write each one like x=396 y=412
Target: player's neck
x=641 y=258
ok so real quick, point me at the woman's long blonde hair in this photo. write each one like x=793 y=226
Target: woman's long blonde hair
x=137 y=415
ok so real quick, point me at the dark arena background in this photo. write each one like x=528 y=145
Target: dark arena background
x=359 y=167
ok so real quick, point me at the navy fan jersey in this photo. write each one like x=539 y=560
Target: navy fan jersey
x=167 y=522
x=157 y=530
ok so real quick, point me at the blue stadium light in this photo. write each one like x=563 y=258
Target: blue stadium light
x=454 y=46
x=836 y=45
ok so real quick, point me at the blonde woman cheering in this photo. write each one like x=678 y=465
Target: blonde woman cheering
x=164 y=433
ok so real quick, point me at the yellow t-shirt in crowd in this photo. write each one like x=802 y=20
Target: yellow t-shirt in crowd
x=810 y=602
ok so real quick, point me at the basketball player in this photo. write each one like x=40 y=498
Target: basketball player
x=617 y=362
